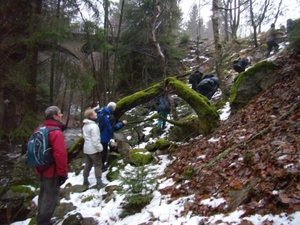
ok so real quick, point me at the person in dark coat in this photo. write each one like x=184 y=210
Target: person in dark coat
x=108 y=125
x=240 y=64
x=208 y=86
x=195 y=79
x=272 y=39
x=163 y=109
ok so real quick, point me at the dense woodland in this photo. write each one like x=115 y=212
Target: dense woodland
x=51 y=54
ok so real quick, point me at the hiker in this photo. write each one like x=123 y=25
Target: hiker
x=92 y=148
x=240 y=64
x=54 y=175
x=195 y=79
x=272 y=39
x=163 y=109
x=107 y=123
x=208 y=86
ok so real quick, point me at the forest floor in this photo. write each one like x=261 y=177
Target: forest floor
x=253 y=158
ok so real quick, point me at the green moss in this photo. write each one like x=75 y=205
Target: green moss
x=76 y=145
x=21 y=189
x=187 y=175
x=205 y=110
x=141 y=157
x=220 y=104
x=87 y=199
x=162 y=144
x=112 y=175
x=138 y=97
x=32 y=221
x=150 y=147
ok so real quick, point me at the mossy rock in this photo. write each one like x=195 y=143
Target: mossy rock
x=160 y=144
x=19 y=200
x=140 y=157
x=63 y=209
x=252 y=82
x=189 y=129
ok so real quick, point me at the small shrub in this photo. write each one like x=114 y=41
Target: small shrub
x=184 y=39
x=138 y=185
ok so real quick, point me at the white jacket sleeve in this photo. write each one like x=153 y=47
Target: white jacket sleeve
x=96 y=140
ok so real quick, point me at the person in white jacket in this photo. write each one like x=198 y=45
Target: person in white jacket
x=92 y=148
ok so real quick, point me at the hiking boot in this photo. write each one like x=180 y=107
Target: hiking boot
x=100 y=185
x=105 y=168
x=86 y=182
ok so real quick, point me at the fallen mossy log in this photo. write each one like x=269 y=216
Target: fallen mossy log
x=208 y=117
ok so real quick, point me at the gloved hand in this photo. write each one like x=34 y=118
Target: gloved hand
x=62 y=180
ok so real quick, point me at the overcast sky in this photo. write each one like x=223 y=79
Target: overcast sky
x=292 y=10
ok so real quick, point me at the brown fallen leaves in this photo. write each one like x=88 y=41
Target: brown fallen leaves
x=261 y=172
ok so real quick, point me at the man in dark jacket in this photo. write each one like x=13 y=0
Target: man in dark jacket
x=208 y=86
x=108 y=126
x=195 y=79
x=54 y=175
x=163 y=109
x=240 y=64
x=272 y=39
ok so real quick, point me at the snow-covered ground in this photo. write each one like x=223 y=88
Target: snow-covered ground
x=162 y=210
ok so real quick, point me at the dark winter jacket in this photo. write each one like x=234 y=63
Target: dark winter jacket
x=59 y=151
x=107 y=124
x=208 y=86
x=163 y=104
x=195 y=79
x=240 y=64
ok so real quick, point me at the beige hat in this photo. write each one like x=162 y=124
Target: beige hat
x=112 y=106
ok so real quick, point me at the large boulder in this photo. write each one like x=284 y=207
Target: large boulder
x=250 y=83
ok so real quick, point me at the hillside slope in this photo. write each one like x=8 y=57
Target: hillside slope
x=253 y=159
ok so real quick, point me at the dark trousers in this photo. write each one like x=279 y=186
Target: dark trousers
x=48 y=196
x=104 y=152
x=272 y=44
x=90 y=160
x=161 y=122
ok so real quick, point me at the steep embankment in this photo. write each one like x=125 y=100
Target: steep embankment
x=252 y=159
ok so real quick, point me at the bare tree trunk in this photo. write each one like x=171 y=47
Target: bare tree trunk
x=153 y=31
x=218 y=46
